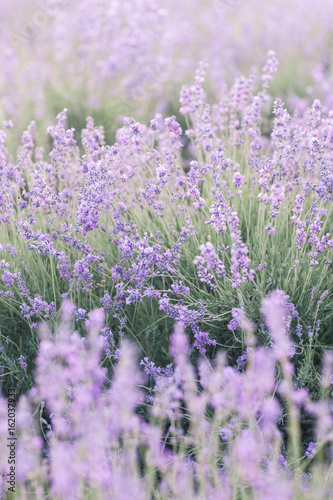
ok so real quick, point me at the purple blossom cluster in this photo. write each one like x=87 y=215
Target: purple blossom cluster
x=209 y=260
x=215 y=219
x=99 y=216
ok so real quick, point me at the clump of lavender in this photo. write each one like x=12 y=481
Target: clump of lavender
x=97 y=442
x=67 y=208
x=209 y=260
x=22 y=362
x=189 y=224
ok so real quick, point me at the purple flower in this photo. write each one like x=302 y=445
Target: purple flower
x=239 y=179
x=22 y=363
x=269 y=69
x=80 y=314
x=277 y=314
x=202 y=340
x=311 y=450
x=237 y=314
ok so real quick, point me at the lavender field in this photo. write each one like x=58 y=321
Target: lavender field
x=166 y=240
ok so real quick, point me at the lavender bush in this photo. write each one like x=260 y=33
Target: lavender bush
x=208 y=214
x=211 y=431
x=194 y=226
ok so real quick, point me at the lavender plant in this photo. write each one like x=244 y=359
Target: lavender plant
x=211 y=431
x=209 y=214
x=194 y=225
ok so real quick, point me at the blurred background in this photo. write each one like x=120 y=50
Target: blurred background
x=109 y=58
